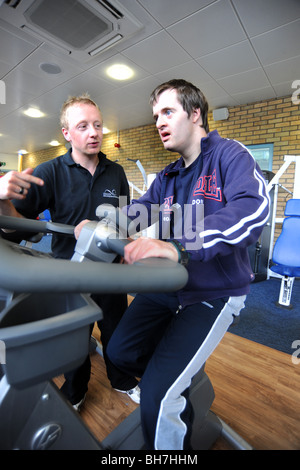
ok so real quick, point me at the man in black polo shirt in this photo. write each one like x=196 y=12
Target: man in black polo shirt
x=71 y=187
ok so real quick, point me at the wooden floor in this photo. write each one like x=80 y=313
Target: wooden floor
x=257 y=393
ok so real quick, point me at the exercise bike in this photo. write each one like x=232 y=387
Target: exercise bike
x=45 y=328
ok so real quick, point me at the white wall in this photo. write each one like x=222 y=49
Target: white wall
x=10 y=160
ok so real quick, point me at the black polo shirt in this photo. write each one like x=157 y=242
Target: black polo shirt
x=72 y=194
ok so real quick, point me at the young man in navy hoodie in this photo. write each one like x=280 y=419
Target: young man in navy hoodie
x=166 y=338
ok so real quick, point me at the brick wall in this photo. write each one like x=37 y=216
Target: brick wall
x=272 y=121
x=31 y=160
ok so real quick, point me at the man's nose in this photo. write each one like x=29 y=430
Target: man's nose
x=93 y=130
x=160 y=122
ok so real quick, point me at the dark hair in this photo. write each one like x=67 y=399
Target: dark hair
x=189 y=96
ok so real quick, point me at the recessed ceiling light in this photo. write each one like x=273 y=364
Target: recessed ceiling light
x=52 y=69
x=105 y=130
x=54 y=143
x=22 y=152
x=120 y=72
x=34 y=113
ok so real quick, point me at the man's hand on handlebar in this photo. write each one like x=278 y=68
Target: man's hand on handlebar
x=141 y=248
x=79 y=227
x=149 y=248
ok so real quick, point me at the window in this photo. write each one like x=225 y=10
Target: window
x=263 y=154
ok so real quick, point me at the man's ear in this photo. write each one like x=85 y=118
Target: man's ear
x=196 y=115
x=66 y=134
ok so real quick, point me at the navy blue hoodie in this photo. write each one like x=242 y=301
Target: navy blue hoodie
x=227 y=184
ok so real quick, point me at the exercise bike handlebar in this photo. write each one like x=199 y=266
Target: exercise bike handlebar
x=117 y=245
x=22 y=271
x=35 y=226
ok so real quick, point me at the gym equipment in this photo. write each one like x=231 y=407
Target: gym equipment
x=259 y=251
x=286 y=253
x=45 y=328
x=274 y=184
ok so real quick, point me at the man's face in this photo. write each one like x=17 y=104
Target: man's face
x=174 y=126
x=85 y=129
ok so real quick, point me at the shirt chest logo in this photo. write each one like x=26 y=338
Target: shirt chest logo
x=207 y=186
x=168 y=204
x=110 y=193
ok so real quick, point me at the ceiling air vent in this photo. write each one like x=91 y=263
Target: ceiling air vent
x=12 y=3
x=117 y=14
x=81 y=28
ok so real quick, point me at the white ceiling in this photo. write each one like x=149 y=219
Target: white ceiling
x=236 y=51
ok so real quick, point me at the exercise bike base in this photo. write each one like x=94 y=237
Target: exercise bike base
x=39 y=418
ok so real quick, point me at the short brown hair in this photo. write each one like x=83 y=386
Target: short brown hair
x=73 y=101
x=189 y=96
